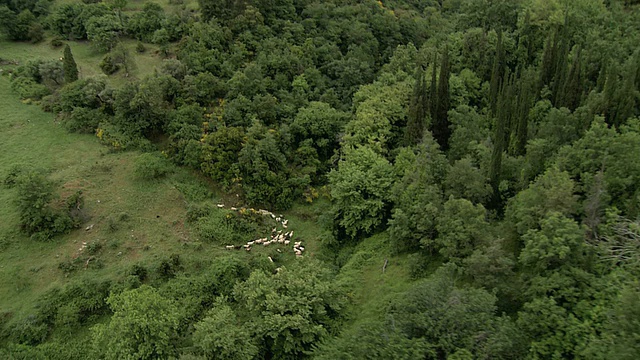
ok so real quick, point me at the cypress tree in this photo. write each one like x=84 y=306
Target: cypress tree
x=417 y=110
x=572 y=91
x=433 y=96
x=497 y=73
x=441 y=130
x=560 y=68
x=525 y=100
x=69 y=67
x=501 y=136
x=548 y=61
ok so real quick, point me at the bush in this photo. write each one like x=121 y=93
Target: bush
x=84 y=120
x=150 y=167
x=56 y=42
x=38 y=217
x=109 y=64
x=29 y=89
x=30 y=331
x=140 y=48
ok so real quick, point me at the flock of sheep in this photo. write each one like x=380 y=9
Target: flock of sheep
x=277 y=236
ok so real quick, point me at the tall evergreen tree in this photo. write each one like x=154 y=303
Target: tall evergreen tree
x=547 y=68
x=501 y=136
x=433 y=95
x=69 y=67
x=417 y=110
x=441 y=130
x=525 y=98
x=497 y=73
x=560 y=68
x=571 y=93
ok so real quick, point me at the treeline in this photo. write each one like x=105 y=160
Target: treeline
x=499 y=138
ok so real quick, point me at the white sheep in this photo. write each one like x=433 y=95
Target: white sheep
x=270 y=259
x=220 y=206
x=229 y=247
x=285 y=222
x=259 y=241
x=251 y=242
x=287 y=242
x=234 y=209
x=248 y=248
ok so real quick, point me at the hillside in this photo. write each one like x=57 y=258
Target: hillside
x=290 y=179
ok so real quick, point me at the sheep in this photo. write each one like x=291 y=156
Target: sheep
x=301 y=248
x=297 y=243
x=273 y=230
x=250 y=242
x=272 y=216
x=285 y=222
x=291 y=234
x=270 y=259
x=234 y=209
x=229 y=247
x=259 y=241
x=266 y=243
x=278 y=219
x=248 y=248
x=284 y=226
x=287 y=242
x=220 y=206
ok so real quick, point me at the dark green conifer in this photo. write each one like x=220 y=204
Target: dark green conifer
x=572 y=91
x=69 y=66
x=441 y=130
x=497 y=73
x=433 y=95
x=417 y=110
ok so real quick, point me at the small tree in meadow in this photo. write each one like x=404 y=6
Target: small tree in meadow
x=70 y=68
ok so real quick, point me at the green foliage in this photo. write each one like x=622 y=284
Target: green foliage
x=220 y=335
x=150 y=166
x=262 y=169
x=39 y=215
x=290 y=311
x=70 y=69
x=449 y=319
x=417 y=195
x=84 y=120
x=360 y=191
x=461 y=228
x=143 y=326
x=220 y=152
x=104 y=31
x=552 y=191
x=142 y=25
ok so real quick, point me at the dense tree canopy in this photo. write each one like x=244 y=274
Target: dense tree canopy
x=494 y=146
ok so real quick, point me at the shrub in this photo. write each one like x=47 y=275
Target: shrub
x=29 y=89
x=56 y=42
x=140 y=48
x=38 y=217
x=109 y=64
x=150 y=167
x=84 y=120
x=30 y=331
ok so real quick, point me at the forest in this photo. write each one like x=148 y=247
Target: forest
x=322 y=179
